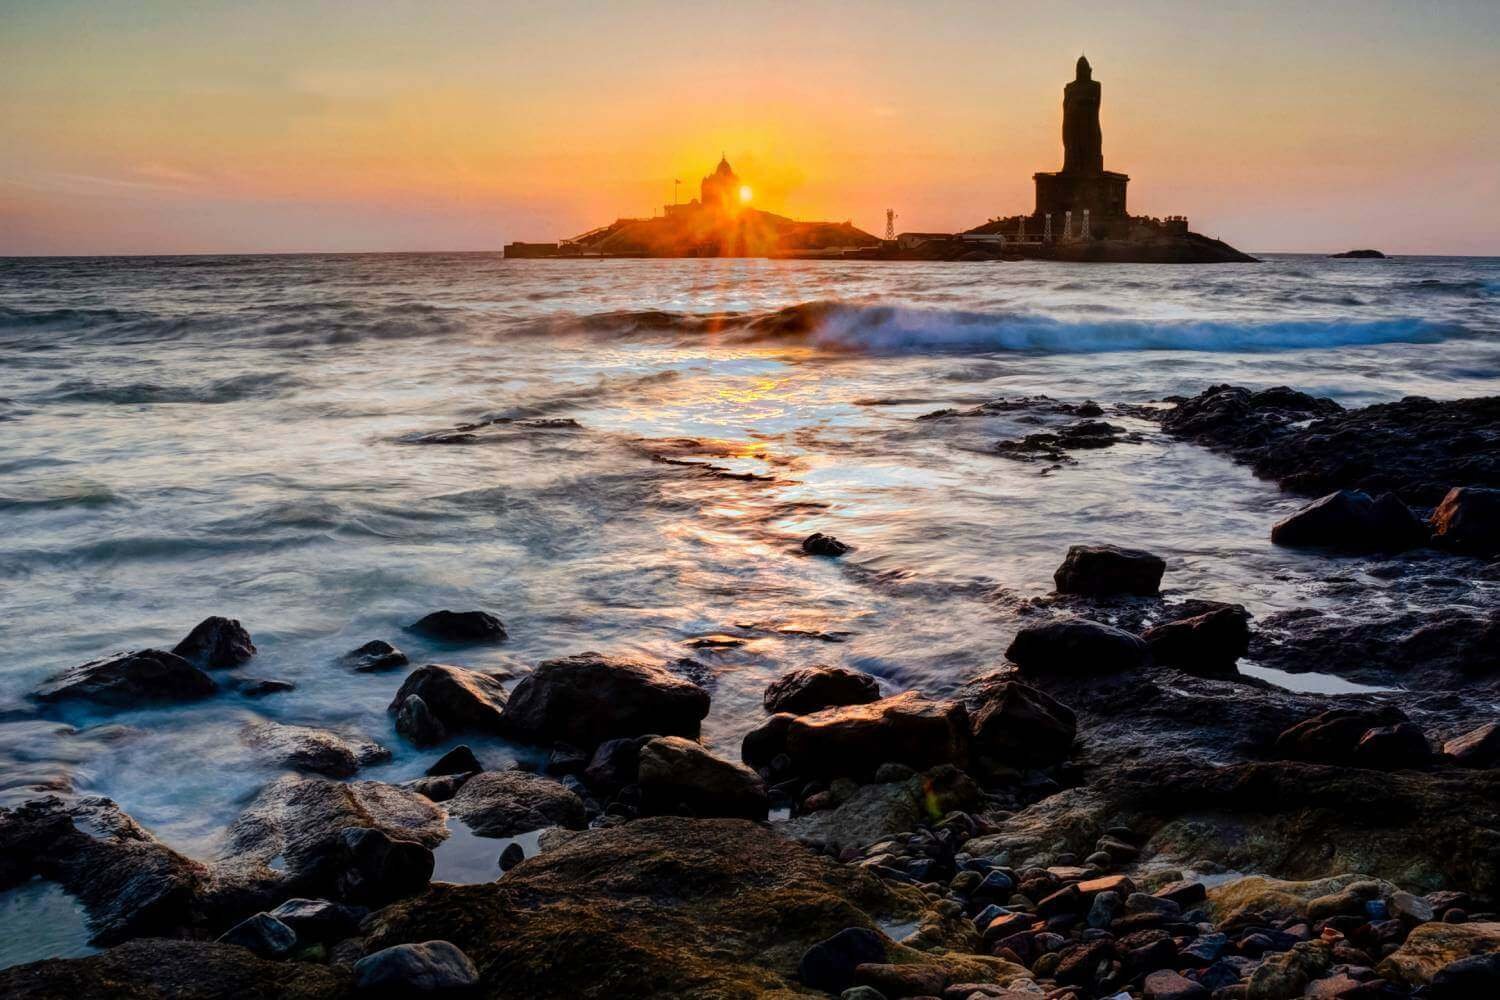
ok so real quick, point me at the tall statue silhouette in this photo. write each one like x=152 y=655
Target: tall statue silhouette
x=1083 y=142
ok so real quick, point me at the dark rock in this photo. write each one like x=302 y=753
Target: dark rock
x=1333 y=737
x=900 y=980
x=1184 y=894
x=818 y=544
x=263 y=934
x=403 y=969
x=1101 y=570
x=1360 y=255
x=460 y=626
x=513 y=855
x=812 y=689
x=317 y=751
x=259 y=687
x=1073 y=647
x=615 y=764
x=1468 y=520
x=129 y=679
x=854 y=740
x=182 y=970
x=373 y=656
x=1388 y=748
x=1476 y=748
x=565 y=760
x=319 y=919
x=378 y=869
x=1082 y=964
x=1212 y=641
x=216 y=642
x=415 y=721
x=589 y=698
x=767 y=741
x=1014 y=723
x=462 y=700
x=438 y=788
x=678 y=775
x=459 y=760
x=1475 y=976
x=829 y=965
x=1352 y=521
x=505 y=803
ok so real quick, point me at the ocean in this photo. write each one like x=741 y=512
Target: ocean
x=624 y=456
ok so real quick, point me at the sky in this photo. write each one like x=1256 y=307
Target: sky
x=201 y=127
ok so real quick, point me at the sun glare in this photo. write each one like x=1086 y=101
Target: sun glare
x=745 y=193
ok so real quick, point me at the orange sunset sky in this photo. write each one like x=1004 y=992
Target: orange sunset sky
x=216 y=127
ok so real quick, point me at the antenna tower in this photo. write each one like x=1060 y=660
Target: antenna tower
x=890 y=223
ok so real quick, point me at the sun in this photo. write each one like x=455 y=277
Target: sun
x=745 y=193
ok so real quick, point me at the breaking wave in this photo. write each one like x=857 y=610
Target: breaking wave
x=888 y=329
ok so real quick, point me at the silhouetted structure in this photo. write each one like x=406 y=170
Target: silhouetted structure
x=1083 y=184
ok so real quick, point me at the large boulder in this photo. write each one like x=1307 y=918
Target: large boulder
x=126 y=680
x=460 y=626
x=854 y=740
x=1075 y=647
x=404 y=969
x=296 y=826
x=812 y=689
x=505 y=803
x=375 y=868
x=678 y=776
x=216 y=642
x=1431 y=947
x=458 y=699
x=1352 y=521
x=1013 y=723
x=1104 y=570
x=766 y=741
x=1336 y=737
x=317 y=751
x=1209 y=642
x=1468 y=520
x=666 y=907
x=589 y=698
x=181 y=970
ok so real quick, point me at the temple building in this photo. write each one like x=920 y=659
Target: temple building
x=720 y=189
x=1082 y=184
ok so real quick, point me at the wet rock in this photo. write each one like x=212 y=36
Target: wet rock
x=615 y=764
x=1286 y=975
x=461 y=700
x=1168 y=985
x=438 y=788
x=876 y=811
x=1433 y=947
x=459 y=760
x=1014 y=723
x=430 y=967
x=854 y=740
x=812 y=689
x=1388 y=748
x=900 y=980
x=376 y=868
x=513 y=855
x=1468 y=520
x=317 y=751
x=157 y=967
x=1100 y=570
x=1352 y=521
x=1211 y=641
x=1076 y=647
x=263 y=935
x=1334 y=737
x=1242 y=422
x=373 y=656
x=126 y=680
x=819 y=544
x=216 y=642
x=678 y=776
x=681 y=905
x=259 y=687
x=296 y=825
x=319 y=919
x=505 y=803
x=129 y=883
x=460 y=626
x=415 y=721
x=1476 y=748
x=829 y=965
x=589 y=698
x=762 y=744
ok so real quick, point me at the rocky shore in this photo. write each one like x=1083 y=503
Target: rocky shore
x=1115 y=810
